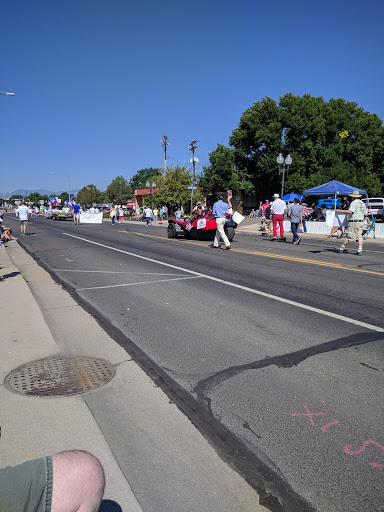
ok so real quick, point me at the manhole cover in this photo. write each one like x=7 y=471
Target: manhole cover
x=60 y=376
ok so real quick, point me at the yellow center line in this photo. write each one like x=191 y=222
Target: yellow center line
x=266 y=254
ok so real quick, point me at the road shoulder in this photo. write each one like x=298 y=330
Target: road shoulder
x=129 y=423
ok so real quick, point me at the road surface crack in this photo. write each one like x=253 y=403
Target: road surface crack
x=204 y=387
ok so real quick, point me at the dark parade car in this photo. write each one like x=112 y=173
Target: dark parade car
x=203 y=228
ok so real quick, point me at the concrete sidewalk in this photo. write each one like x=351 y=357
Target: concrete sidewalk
x=32 y=427
x=155 y=461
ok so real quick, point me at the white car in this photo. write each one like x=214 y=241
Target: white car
x=375 y=207
x=59 y=212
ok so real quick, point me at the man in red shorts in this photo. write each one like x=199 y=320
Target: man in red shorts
x=279 y=212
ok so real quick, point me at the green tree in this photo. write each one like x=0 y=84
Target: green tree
x=89 y=194
x=139 y=179
x=118 y=191
x=35 y=197
x=223 y=173
x=326 y=140
x=257 y=141
x=332 y=140
x=64 y=197
x=16 y=197
x=174 y=191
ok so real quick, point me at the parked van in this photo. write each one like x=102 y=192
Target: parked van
x=375 y=207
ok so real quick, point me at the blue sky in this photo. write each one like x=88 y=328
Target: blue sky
x=99 y=82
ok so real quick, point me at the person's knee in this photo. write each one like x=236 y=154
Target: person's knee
x=78 y=481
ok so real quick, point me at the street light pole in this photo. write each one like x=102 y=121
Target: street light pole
x=282 y=163
x=151 y=187
x=69 y=185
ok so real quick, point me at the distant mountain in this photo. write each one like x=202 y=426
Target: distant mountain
x=22 y=192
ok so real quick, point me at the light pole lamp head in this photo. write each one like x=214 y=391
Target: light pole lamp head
x=280 y=160
x=147 y=184
x=153 y=184
x=288 y=160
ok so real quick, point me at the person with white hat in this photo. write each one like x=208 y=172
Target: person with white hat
x=357 y=212
x=279 y=212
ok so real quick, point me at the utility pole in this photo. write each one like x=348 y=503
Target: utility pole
x=193 y=147
x=165 y=143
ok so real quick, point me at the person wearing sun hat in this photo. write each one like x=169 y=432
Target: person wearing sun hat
x=356 y=213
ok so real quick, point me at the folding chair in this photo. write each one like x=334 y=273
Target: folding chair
x=370 y=231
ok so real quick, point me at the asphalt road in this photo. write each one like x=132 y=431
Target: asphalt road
x=272 y=349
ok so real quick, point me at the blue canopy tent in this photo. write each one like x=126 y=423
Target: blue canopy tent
x=291 y=197
x=334 y=188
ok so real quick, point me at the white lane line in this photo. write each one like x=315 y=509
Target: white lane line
x=115 y=272
x=133 y=284
x=240 y=287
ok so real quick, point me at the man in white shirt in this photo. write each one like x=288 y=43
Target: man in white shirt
x=24 y=213
x=148 y=216
x=279 y=212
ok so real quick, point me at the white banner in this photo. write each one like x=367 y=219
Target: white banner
x=340 y=219
x=237 y=217
x=330 y=217
x=91 y=218
x=201 y=223
x=335 y=219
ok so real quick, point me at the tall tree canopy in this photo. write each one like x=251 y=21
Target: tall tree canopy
x=327 y=140
x=89 y=194
x=35 y=197
x=118 y=191
x=139 y=179
x=174 y=190
x=223 y=173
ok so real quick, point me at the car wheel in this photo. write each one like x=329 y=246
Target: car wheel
x=171 y=231
x=230 y=232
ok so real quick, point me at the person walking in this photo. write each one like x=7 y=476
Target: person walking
x=263 y=207
x=268 y=221
x=155 y=216
x=279 y=211
x=148 y=215
x=113 y=214
x=305 y=216
x=296 y=218
x=357 y=213
x=76 y=213
x=220 y=208
x=24 y=213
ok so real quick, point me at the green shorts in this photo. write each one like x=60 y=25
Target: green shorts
x=355 y=231
x=27 y=487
